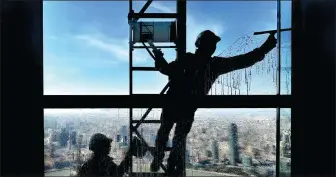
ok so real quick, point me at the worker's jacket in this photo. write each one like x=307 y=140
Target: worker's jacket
x=195 y=74
x=102 y=166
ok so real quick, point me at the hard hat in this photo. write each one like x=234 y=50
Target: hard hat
x=98 y=141
x=208 y=36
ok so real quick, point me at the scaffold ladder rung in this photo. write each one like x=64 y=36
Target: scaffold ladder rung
x=147 y=121
x=144 y=69
x=133 y=17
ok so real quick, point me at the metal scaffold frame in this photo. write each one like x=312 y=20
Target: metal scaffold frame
x=180 y=46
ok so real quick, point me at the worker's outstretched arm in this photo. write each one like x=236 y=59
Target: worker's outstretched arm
x=225 y=65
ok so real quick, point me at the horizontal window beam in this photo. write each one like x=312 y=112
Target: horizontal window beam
x=147 y=121
x=159 y=101
x=144 y=69
x=153 y=15
x=159 y=47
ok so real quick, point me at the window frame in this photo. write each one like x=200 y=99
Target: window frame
x=158 y=101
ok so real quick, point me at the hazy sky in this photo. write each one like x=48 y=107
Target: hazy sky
x=86 y=43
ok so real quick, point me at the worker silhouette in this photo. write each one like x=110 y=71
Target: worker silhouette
x=101 y=164
x=194 y=74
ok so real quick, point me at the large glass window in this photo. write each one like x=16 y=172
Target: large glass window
x=89 y=55
x=215 y=135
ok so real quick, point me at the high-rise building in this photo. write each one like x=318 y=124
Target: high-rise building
x=118 y=138
x=52 y=150
x=233 y=143
x=215 y=151
x=79 y=147
x=123 y=130
x=124 y=134
x=73 y=138
x=64 y=137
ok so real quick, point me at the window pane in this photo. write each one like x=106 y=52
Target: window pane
x=286 y=63
x=85 y=49
x=285 y=143
x=68 y=131
x=286 y=14
x=254 y=132
x=209 y=148
x=150 y=82
x=236 y=28
x=89 y=55
x=210 y=144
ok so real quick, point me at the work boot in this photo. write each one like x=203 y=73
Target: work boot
x=170 y=170
x=155 y=165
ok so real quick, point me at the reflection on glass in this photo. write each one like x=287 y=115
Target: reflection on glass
x=285 y=142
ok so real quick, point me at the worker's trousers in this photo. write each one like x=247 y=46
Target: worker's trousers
x=183 y=120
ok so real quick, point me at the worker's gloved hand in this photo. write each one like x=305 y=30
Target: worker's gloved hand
x=160 y=62
x=158 y=53
x=269 y=44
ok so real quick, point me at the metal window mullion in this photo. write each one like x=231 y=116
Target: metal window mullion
x=277 y=169
x=130 y=160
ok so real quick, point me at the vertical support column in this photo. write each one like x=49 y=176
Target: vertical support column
x=181 y=50
x=181 y=28
x=277 y=169
x=130 y=21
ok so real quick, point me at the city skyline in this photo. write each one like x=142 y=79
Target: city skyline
x=254 y=140
x=155 y=113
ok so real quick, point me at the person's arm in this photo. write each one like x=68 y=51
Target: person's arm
x=124 y=165
x=224 y=65
x=82 y=171
x=169 y=69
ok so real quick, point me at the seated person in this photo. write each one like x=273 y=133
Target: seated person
x=101 y=164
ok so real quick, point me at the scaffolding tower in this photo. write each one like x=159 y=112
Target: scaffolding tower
x=178 y=38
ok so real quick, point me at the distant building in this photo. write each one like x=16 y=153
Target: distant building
x=233 y=143
x=73 y=138
x=118 y=138
x=79 y=141
x=64 y=137
x=85 y=141
x=215 y=151
x=285 y=144
x=247 y=161
x=124 y=135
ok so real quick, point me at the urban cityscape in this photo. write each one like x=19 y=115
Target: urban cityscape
x=232 y=144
